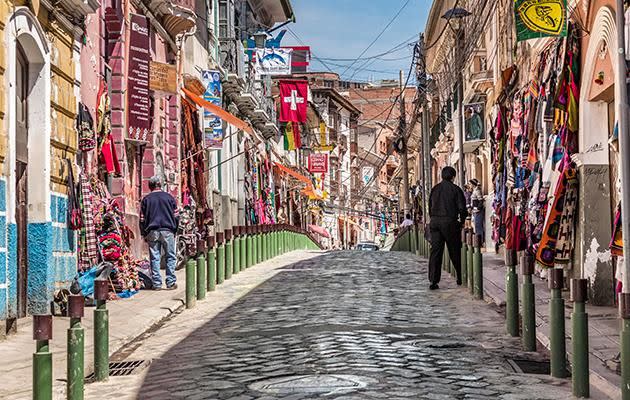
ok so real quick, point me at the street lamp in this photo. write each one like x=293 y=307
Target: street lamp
x=260 y=38
x=454 y=18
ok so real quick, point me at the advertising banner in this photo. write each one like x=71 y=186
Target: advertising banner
x=273 y=61
x=366 y=174
x=138 y=100
x=318 y=163
x=212 y=125
x=540 y=18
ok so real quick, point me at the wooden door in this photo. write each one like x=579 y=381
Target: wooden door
x=21 y=181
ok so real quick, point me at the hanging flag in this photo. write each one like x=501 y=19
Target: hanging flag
x=289 y=138
x=293 y=101
x=540 y=18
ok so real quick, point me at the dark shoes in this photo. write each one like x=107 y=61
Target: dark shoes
x=172 y=287
x=434 y=286
x=459 y=282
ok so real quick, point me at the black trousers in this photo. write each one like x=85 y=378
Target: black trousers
x=449 y=233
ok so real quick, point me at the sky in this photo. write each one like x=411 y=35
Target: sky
x=343 y=29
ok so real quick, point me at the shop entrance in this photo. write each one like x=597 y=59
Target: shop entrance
x=21 y=181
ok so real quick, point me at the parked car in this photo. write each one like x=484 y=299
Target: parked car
x=367 y=246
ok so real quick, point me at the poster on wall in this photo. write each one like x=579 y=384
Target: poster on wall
x=540 y=18
x=138 y=100
x=474 y=122
x=366 y=174
x=273 y=61
x=318 y=163
x=212 y=125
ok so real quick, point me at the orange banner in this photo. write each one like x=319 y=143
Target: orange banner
x=219 y=112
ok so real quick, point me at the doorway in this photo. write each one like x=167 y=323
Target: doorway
x=21 y=181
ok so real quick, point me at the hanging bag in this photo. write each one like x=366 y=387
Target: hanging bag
x=74 y=210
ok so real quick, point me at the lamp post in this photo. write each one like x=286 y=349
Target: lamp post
x=260 y=38
x=454 y=18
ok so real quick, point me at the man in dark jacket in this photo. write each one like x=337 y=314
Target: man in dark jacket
x=447 y=209
x=158 y=225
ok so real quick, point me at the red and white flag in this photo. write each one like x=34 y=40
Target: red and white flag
x=293 y=101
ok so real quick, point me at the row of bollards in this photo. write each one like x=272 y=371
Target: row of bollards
x=222 y=256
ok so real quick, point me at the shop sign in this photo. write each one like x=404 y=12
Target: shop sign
x=138 y=101
x=162 y=78
x=540 y=18
x=366 y=174
x=318 y=163
x=212 y=124
x=474 y=122
x=274 y=61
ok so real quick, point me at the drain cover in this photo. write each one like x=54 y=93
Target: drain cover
x=312 y=384
x=123 y=368
x=434 y=344
x=522 y=366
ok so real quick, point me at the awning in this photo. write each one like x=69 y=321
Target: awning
x=219 y=112
x=293 y=173
x=319 y=230
x=351 y=222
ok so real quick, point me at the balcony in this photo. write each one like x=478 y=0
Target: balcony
x=176 y=16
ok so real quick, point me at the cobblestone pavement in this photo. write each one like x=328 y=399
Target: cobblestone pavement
x=342 y=325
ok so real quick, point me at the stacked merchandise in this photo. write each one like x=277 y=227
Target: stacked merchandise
x=535 y=135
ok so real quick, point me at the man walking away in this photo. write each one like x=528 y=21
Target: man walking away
x=158 y=225
x=447 y=209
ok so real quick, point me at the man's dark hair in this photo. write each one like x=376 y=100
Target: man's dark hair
x=408 y=216
x=448 y=173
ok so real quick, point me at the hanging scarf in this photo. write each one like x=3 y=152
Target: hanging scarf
x=88 y=242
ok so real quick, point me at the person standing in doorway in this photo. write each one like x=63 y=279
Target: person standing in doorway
x=158 y=225
x=447 y=209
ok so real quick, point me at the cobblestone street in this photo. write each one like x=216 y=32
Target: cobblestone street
x=341 y=325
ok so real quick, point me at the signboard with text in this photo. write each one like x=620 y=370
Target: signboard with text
x=274 y=61
x=138 y=100
x=318 y=163
x=212 y=125
x=162 y=77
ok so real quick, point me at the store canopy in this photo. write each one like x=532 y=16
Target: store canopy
x=219 y=112
x=319 y=230
x=293 y=173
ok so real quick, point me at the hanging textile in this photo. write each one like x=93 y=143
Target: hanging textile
x=85 y=129
x=106 y=145
x=616 y=243
x=88 y=242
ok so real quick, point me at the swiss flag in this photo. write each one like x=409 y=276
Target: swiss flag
x=293 y=101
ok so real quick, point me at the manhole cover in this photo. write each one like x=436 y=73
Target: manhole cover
x=312 y=384
x=434 y=344
x=523 y=366
x=123 y=368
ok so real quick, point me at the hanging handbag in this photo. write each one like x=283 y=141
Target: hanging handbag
x=74 y=210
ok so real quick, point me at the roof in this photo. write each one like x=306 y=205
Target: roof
x=273 y=11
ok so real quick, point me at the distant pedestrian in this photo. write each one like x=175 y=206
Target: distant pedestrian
x=158 y=225
x=407 y=221
x=448 y=213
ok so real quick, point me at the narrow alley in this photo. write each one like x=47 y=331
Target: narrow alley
x=337 y=325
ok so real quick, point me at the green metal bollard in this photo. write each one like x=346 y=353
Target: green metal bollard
x=254 y=245
x=42 y=358
x=528 y=304
x=211 y=275
x=470 y=263
x=220 y=258
x=556 y=320
x=478 y=267
x=243 y=246
x=581 y=371
x=191 y=285
x=201 y=271
x=418 y=241
x=274 y=242
x=101 y=331
x=228 y=254
x=75 y=349
x=237 y=250
x=464 y=258
x=511 y=289
x=249 y=250
x=259 y=244
x=265 y=243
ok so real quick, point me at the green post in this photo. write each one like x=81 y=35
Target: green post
x=220 y=258
x=464 y=257
x=556 y=319
x=528 y=303
x=237 y=250
x=75 y=349
x=581 y=371
x=211 y=276
x=478 y=267
x=470 y=256
x=259 y=244
x=254 y=245
x=511 y=288
x=42 y=358
x=243 y=247
x=191 y=285
x=274 y=242
x=228 y=254
x=265 y=243
x=101 y=331
x=249 y=247
x=201 y=273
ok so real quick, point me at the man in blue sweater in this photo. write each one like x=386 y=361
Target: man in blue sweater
x=158 y=225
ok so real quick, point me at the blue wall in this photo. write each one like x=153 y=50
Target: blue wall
x=4 y=272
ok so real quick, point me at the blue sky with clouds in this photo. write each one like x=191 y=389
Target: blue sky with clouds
x=342 y=29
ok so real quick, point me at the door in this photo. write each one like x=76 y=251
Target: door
x=21 y=181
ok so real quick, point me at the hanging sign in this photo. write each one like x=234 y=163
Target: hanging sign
x=273 y=61
x=138 y=100
x=318 y=163
x=212 y=125
x=540 y=18
x=162 y=77
x=293 y=101
x=366 y=174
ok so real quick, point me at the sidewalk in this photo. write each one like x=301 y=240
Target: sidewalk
x=603 y=324
x=129 y=319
